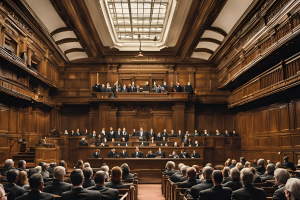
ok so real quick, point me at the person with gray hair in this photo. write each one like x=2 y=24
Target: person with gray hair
x=105 y=168
x=248 y=191
x=207 y=174
x=105 y=192
x=11 y=187
x=191 y=174
x=260 y=168
x=58 y=185
x=183 y=172
x=86 y=164
x=233 y=163
x=8 y=165
x=292 y=189
x=269 y=175
x=88 y=174
x=235 y=182
x=177 y=175
x=170 y=168
x=38 y=169
x=225 y=173
x=281 y=177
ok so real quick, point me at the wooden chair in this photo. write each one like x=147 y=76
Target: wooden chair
x=134 y=182
x=124 y=196
x=130 y=192
x=179 y=191
x=269 y=191
x=163 y=183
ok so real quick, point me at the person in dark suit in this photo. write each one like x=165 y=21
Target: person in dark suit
x=185 y=140
x=132 y=88
x=93 y=135
x=45 y=174
x=103 y=88
x=207 y=175
x=171 y=87
x=260 y=168
x=118 y=134
x=78 y=191
x=22 y=165
x=189 y=88
x=183 y=154
x=227 y=134
x=72 y=134
x=225 y=173
x=78 y=133
x=173 y=134
x=196 y=134
x=248 y=191
x=151 y=135
x=36 y=185
x=96 y=87
x=165 y=135
x=195 y=154
x=257 y=178
x=11 y=187
x=112 y=154
x=126 y=172
x=125 y=134
x=177 y=87
x=235 y=183
x=234 y=134
x=281 y=177
x=98 y=140
x=111 y=133
x=116 y=179
x=205 y=133
x=83 y=142
x=176 y=177
x=159 y=137
x=88 y=174
x=104 y=134
x=96 y=154
x=124 y=154
x=233 y=164
x=141 y=133
x=217 y=133
x=173 y=155
x=108 y=88
x=150 y=154
x=58 y=185
x=124 y=88
x=105 y=192
x=189 y=143
x=180 y=135
x=160 y=153
x=197 y=144
x=137 y=153
x=191 y=174
x=170 y=168
x=288 y=164
x=134 y=132
x=270 y=173
x=51 y=168
x=217 y=192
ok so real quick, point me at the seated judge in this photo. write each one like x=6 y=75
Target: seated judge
x=248 y=191
x=132 y=88
x=104 y=134
x=111 y=133
x=133 y=132
x=116 y=179
x=183 y=154
x=124 y=88
x=227 y=134
x=96 y=154
x=112 y=154
x=205 y=133
x=124 y=154
x=234 y=134
x=98 y=140
x=108 y=88
x=189 y=88
x=195 y=154
x=137 y=153
x=141 y=133
x=86 y=132
x=72 y=133
x=103 y=88
x=180 y=135
x=151 y=135
x=173 y=155
x=150 y=154
x=126 y=172
x=177 y=88
x=160 y=153
x=78 y=133
x=93 y=135
x=159 y=137
x=83 y=142
x=125 y=134
x=165 y=134
x=171 y=87
x=196 y=134
x=105 y=192
x=173 y=134
x=78 y=191
x=217 y=133
x=118 y=134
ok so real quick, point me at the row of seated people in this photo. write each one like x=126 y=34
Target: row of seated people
x=235 y=182
x=149 y=135
x=138 y=154
x=85 y=182
x=132 y=88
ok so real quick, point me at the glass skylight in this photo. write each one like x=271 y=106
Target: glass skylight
x=133 y=17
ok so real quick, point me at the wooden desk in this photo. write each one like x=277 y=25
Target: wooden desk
x=95 y=162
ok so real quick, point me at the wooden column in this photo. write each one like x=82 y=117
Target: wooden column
x=178 y=117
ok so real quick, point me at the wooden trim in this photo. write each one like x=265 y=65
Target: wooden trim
x=210 y=40
x=74 y=50
x=66 y=40
x=218 y=30
x=204 y=50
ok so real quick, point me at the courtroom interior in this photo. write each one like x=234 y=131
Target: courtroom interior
x=150 y=99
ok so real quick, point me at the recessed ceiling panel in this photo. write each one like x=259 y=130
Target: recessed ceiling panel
x=208 y=45
x=70 y=45
x=63 y=35
x=76 y=55
x=213 y=35
x=201 y=55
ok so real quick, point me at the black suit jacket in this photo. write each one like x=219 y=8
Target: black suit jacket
x=83 y=143
x=80 y=194
x=196 y=155
x=138 y=133
x=125 y=135
x=117 y=185
x=165 y=135
x=226 y=179
x=257 y=179
x=110 y=136
x=106 y=193
x=181 y=136
x=104 y=136
x=170 y=172
x=260 y=169
x=140 y=155
x=178 y=89
x=249 y=192
x=88 y=183
x=234 y=184
x=279 y=194
x=50 y=170
x=150 y=135
x=162 y=154
x=289 y=165
x=117 y=135
x=5 y=170
x=96 y=156
x=124 y=155
x=128 y=176
x=189 y=89
x=159 y=138
x=216 y=193
x=132 y=89
x=195 y=190
x=124 y=89
x=188 y=183
x=57 y=187
x=111 y=154
x=184 y=155
x=103 y=89
x=267 y=176
x=36 y=195
x=176 y=177
x=14 y=190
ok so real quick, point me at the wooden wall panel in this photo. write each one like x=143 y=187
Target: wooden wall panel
x=274 y=120
x=284 y=118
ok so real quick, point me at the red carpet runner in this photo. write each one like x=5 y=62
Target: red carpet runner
x=150 y=191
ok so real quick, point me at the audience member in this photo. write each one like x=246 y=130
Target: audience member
x=8 y=165
x=292 y=189
x=170 y=168
x=233 y=164
x=177 y=175
x=23 y=180
x=225 y=173
x=11 y=187
x=235 y=182
x=269 y=175
x=79 y=164
x=126 y=172
x=45 y=174
x=248 y=191
x=183 y=170
x=36 y=185
x=257 y=178
x=63 y=164
x=260 y=168
x=116 y=179
x=78 y=192
x=198 y=172
x=58 y=186
x=51 y=168
x=88 y=174
x=288 y=164
x=85 y=165
x=217 y=192
x=247 y=164
x=105 y=168
x=207 y=175
x=22 y=165
x=105 y=192
x=239 y=166
x=281 y=177
x=191 y=174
